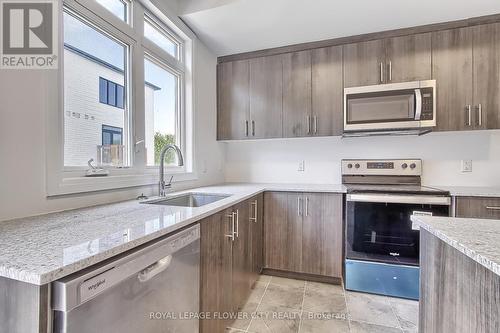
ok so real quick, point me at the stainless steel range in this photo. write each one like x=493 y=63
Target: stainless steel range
x=382 y=246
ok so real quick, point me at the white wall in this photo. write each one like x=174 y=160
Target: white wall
x=23 y=109
x=277 y=160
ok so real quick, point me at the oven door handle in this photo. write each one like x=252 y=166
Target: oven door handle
x=404 y=199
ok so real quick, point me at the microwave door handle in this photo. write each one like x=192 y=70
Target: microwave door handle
x=418 y=104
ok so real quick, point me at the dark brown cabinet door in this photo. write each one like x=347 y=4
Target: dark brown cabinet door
x=233 y=100
x=408 y=58
x=283 y=231
x=364 y=63
x=297 y=94
x=322 y=234
x=452 y=70
x=216 y=270
x=486 y=49
x=476 y=207
x=266 y=90
x=327 y=91
x=241 y=256
x=257 y=235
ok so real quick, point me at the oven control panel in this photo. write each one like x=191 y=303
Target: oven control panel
x=382 y=167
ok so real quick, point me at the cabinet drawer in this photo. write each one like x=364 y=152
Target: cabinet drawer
x=475 y=207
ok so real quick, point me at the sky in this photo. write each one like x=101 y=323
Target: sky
x=87 y=39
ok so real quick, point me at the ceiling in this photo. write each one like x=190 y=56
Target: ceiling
x=234 y=26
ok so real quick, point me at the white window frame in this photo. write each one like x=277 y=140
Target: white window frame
x=63 y=180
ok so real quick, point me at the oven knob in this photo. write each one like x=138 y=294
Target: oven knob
x=357 y=166
x=349 y=165
x=404 y=165
x=413 y=166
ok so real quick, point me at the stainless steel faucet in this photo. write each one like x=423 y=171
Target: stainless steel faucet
x=163 y=188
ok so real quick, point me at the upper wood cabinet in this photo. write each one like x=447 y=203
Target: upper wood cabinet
x=486 y=76
x=392 y=60
x=364 y=63
x=476 y=207
x=233 y=100
x=266 y=90
x=297 y=94
x=327 y=91
x=303 y=233
x=452 y=70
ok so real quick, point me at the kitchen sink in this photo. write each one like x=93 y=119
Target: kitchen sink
x=188 y=200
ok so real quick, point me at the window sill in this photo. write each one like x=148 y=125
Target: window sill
x=74 y=185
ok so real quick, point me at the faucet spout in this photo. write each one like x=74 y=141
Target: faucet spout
x=180 y=162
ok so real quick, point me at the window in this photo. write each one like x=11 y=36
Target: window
x=116 y=7
x=161 y=37
x=161 y=109
x=111 y=93
x=112 y=135
x=90 y=56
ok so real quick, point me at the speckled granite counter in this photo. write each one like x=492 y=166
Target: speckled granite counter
x=471 y=191
x=44 y=248
x=479 y=239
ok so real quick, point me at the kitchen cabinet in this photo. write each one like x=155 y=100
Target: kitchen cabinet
x=452 y=70
x=233 y=100
x=266 y=90
x=327 y=91
x=297 y=94
x=486 y=76
x=303 y=233
x=230 y=245
x=392 y=60
x=478 y=207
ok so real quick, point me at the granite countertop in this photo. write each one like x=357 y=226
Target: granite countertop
x=479 y=239
x=471 y=191
x=42 y=249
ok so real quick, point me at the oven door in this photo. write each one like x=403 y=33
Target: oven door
x=389 y=107
x=379 y=228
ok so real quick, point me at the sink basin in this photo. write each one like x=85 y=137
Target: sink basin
x=188 y=200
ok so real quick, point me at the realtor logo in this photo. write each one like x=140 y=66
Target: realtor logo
x=28 y=34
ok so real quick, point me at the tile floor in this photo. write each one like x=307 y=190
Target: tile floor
x=279 y=305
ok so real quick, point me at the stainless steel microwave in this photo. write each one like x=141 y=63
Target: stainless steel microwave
x=390 y=107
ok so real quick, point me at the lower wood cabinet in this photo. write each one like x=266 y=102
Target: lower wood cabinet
x=303 y=233
x=478 y=207
x=231 y=259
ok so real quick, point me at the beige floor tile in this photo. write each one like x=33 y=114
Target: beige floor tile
x=245 y=316
x=257 y=292
x=359 y=327
x=287 y=282
x=264 y=278
x=312 y=323
x=325 y=287
x=233 y=330
x=275 y=319
x=407 y=313
x=286 y=296
x=371 y=309
x=316 y=301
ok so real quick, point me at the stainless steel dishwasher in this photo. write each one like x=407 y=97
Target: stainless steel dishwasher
x=154 y=289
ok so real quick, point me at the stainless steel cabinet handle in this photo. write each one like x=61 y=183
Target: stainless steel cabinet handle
x=246 y=127
x=254 y=218
x=308 y=125
x=315 y=125
x=231 y=235
x=469 y=115
x=253 y=128
x=480 y=115
x=299 y=203
x=307 y=206
x=237 y=224
x=390 y=71
x=381 y=72
x=493 y=207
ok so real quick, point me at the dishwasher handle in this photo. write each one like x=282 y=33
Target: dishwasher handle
x=155 y=269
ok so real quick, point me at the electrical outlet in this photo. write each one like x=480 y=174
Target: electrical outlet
x=302 y=166
x=466 y=165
